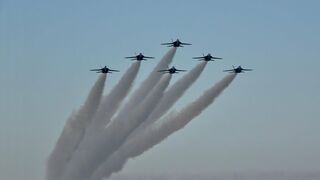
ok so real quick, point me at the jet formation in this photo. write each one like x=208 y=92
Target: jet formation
x=173 y=70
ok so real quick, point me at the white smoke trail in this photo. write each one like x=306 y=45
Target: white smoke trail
x=110 y=104
x=112 y=101
x=150 y=82
x=157 y=132
x=171 y=96
x=91 y=154
x=74 y=131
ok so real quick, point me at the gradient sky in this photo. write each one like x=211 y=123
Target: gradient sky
x=267 y=120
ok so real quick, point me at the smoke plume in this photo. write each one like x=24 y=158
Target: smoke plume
x=91 y=154
x=74 y=131
x=110 y=104
x=171 y=96
x=100 y=137
x=160 y=130
x=150 y=82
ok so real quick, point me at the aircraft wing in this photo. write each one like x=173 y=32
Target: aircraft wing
x=186 y=44
x=129 y=57
x=166 y=43
x=247 y=69
x=165 y=70
x=228 y=70
x=181 y=70
x=216 y=58
x=149 y=57
x=198 y=58
x=95 y=69
x=114 y=70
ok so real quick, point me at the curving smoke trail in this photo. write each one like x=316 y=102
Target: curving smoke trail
x=74 y=131
x=160 y=130
x=150 y=82
x=91 y=154
x=171 y=96
x=110 y=104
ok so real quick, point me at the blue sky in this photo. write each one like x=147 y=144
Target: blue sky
x=267 y=120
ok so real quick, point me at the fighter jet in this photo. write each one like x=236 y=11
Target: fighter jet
x=172 y=70
x=176 y=43
x=208 y=57
x=104 y=70
x=139 y=57
x=239 y=69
